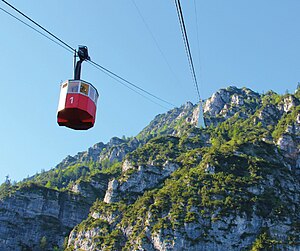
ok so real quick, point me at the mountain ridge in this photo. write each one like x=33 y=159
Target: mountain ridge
x=175 y=186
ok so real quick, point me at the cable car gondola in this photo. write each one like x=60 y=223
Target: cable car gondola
x=78 y=99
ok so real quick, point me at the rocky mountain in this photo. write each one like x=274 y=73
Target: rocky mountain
x=233 y=185
x=33 y=212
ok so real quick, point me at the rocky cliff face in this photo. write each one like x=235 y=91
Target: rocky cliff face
x=34 y=217
x=235 y=196
x=230 y=201
x=33 y=212
x=225 y=103
x=142 y=178
x=114 y=150
x=234 y=185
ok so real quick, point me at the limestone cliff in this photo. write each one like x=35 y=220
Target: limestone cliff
x=234 y=185
x=32 y=213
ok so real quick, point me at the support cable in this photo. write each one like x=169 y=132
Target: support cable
x=130 y=83
x=71 y=49
x=122 y=83
x=154 y=39
x=187 y=46
x=44 y=29
x=41 y=33
x=198 y=45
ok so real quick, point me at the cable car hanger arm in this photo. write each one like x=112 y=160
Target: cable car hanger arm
x=83 y=55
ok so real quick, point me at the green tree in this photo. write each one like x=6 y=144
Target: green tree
x=263 y=242
x=43 y=243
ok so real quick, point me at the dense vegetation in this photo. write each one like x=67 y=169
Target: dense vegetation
x=233 y=168
x=192 y=192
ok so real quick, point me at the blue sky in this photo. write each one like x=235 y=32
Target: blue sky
x=243 y=43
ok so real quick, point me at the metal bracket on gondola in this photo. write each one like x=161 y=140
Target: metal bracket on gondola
x=83 y=55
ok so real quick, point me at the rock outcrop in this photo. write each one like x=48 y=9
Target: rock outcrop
x=114 y=150
x=142 y=178
x=32 y=213
x=225 y=103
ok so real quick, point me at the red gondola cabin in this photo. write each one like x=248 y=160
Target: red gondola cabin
x=77 y=105
x=78 y=99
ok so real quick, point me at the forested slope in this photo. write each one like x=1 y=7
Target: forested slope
x=233 y=185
